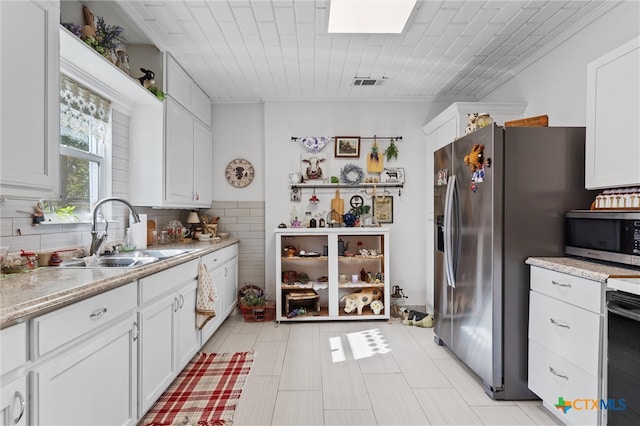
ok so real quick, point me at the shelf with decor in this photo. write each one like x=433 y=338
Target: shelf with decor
x=344 y=185
x=324 y=273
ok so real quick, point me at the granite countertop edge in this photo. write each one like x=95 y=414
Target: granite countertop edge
x=30 y=294
x=579 y=267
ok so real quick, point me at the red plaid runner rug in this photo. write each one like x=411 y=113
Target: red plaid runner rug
x=205 y=393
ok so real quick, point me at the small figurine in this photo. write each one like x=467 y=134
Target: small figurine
x=148 y=79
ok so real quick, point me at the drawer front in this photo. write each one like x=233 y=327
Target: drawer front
x=230 y=252
x=552 y=377
x=213 y=260
x=578 y=291
x=166 y=281
x=56 y=328
x=13 y=347
x=571 y=332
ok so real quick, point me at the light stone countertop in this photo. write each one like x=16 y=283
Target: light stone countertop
x=579 y=267
x=29 y=294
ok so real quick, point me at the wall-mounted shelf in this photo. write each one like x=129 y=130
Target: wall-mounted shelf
x=344 y=185
x=361 y=187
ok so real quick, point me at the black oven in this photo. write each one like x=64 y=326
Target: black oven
x=612 y=236
x=623 y=358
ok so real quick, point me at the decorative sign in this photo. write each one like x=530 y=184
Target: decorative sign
x=392 y=175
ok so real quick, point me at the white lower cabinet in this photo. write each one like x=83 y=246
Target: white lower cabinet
x=92 y=382
x=230 y=288
x=85 y=361
x=222 y=265
x=566 y=320
x=108 y=358
x=169 y=336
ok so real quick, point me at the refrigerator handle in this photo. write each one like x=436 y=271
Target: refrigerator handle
x=448 y=232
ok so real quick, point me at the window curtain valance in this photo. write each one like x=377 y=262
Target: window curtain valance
x=82 y=110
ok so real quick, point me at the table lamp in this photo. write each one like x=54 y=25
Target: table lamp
x=193 y=220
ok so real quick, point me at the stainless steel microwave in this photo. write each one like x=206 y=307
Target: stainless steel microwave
x=612 y=236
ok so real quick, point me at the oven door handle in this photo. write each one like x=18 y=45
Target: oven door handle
x=618 y=310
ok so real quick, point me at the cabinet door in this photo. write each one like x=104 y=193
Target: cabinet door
x=13 y=402
x=178 y=82
x=156 y=350
x=188 y=335
x=613 y=119
x=29 y=105
x=201 y=105
x=180 y=155
x=93 y=383
x=217 y=275
x=202 y=163
x=230 y=291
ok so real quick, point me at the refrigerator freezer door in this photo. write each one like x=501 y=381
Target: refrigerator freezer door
x=442 y=291
x=476 y=301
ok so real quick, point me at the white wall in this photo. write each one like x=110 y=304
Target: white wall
x=556 y=84
x=238 y=132
x=350 y=118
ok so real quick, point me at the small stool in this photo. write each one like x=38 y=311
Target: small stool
x=302 y=297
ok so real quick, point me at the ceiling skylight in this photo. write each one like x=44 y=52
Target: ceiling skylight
x=369 y=16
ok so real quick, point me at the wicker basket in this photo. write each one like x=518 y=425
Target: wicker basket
x=263 y=313
x=256 y=313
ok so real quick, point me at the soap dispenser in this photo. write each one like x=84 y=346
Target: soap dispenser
x=129 y=243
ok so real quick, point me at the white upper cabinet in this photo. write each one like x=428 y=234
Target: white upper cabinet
x=175 y=170
x=613 y=119
x=183 y=89
x=29 y=142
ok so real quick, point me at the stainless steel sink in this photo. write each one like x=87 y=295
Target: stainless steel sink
x=159 y=253
x=112 y=262
x=133 y=259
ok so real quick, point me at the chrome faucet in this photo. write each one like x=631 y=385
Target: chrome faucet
x=98 y=239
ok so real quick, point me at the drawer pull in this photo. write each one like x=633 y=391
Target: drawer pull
x=177 y=302
x=557 y=324
x=181 y=301
x=560 y=284
x=98 y=313
x=20 y=397
x=555 y=373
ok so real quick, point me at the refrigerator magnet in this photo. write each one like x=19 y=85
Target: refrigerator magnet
x=478 y=176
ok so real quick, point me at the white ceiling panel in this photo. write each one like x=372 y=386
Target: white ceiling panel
x=247 y=50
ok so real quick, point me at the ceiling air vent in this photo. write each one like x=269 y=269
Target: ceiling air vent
x=368 y=81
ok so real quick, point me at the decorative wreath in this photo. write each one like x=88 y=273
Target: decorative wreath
x=347 y=172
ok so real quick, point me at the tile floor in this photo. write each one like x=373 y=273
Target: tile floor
x=360 y=373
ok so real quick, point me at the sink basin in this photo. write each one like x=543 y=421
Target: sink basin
x=112 y=262
x=159 y=253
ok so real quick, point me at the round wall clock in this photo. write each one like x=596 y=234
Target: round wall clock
x=239 y=173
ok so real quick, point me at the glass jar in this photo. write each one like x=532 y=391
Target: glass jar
x=483 y=120
x=306 y=222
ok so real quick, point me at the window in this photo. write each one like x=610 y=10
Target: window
x=85 y=133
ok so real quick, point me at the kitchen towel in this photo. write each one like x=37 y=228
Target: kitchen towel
x=314 y=143
x=206 y=296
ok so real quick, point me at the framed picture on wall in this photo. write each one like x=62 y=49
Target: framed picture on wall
x=383 y=209
x=347 y=146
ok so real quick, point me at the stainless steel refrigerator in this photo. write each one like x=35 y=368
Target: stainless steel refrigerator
x=487 y=223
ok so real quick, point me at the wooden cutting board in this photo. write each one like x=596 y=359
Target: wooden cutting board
x=151 y=226
x=337 y=203
x=539 y=121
